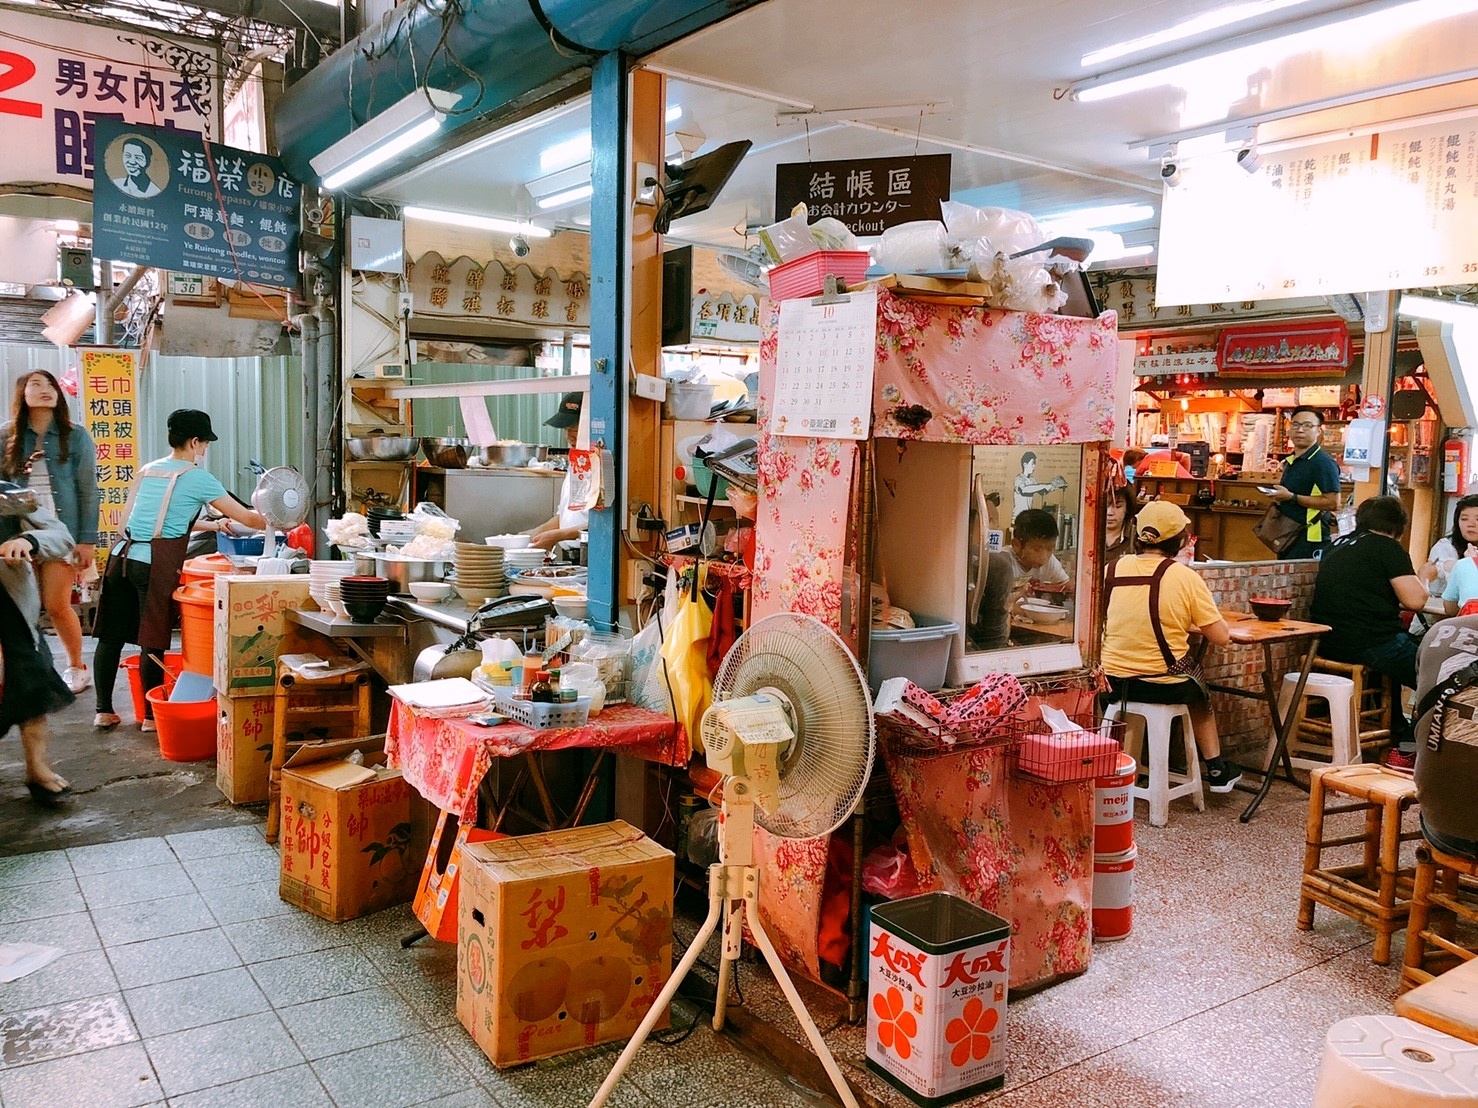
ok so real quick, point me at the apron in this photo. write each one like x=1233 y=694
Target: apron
x=118 y=609
x=1188 y=666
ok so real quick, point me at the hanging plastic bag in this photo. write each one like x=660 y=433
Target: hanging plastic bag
x=648 y=686
x=684 y=655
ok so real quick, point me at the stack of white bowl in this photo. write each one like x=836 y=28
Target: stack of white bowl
x=479 y=572
x=323 y=585
x=509 y=542
x=397 y=532
x=527 y=558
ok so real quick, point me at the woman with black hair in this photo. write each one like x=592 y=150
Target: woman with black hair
x=1119 y=513
x=1452 y=548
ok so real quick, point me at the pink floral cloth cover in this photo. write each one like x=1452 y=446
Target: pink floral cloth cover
x=445 y=759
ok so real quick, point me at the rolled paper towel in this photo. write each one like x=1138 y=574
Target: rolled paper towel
x=1391 y=1062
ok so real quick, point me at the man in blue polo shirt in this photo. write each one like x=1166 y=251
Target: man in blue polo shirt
x=1309 y=486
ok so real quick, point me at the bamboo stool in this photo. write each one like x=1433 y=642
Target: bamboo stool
x=304 y=710
x=1448 y=1002
x=1440 y=898
x=1372 y=714
x=1374 y=891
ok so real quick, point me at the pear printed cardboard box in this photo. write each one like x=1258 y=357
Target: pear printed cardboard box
x=250 y=625
x=564 y=939
x=347 y=835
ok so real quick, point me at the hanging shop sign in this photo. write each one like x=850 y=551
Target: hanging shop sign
x=465 y=289
x=59 y=77
x=181 y=203
x=1283 y=350
x=1397 y=209
x=1133 y=297
x=869 y=195
x=1174 y=365
x=109 y=380
x=718 y=316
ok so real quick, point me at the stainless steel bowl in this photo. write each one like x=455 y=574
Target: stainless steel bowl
x=382 y=448
x=446 y=453
x=402 y=571
x=512 y=454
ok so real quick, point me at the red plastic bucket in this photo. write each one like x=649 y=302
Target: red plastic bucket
x=173 y=661
x=187 y=730
x=198 y=626
x=1113 y=819
x=1113 y=895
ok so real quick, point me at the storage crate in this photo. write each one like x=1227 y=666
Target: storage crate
x=920 y=653
x=807 y=276
x=533 y=714
x=240 y=546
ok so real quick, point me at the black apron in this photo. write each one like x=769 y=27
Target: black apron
x=118 y=607
x=1188 y=666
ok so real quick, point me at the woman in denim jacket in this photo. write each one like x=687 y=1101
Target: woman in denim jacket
x=41 y=423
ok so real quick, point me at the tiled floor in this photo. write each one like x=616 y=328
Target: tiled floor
x=185 y=980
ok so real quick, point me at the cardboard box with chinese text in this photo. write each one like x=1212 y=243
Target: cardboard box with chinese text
x=250 y=625
x=564 y=939
x=243 y=747
x=437 y=894
x=347 y=837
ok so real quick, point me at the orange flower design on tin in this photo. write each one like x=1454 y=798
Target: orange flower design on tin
x=970 y=1032
x=896 y=1027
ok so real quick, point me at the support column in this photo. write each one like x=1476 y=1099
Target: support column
x=609 y=113
x=1377 y=380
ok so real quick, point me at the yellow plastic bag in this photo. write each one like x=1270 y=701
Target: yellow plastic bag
x=685 y=653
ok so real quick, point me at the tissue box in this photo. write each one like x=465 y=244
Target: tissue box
x=1073 y=756
x=986 y=705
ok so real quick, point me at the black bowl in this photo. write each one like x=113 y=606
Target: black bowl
x=364 y=611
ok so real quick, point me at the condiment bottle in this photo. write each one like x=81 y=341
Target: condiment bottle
x=542 y=691
x=532 y=664
x=554 y=680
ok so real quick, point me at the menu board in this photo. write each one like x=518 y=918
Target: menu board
x=824 y=367
x=1397 y=209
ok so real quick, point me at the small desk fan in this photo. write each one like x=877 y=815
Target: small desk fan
x=791 y=729
x=282 y=498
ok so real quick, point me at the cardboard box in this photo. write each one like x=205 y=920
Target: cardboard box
x=436 y=896
x=347 y=837
x=250 y=624
x=564 y=939
x=937 y=977
x=243 y=747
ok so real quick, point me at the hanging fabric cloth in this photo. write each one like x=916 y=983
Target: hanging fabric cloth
x=725 y=629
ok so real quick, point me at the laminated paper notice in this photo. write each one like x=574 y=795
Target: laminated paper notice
x=478 y=423
x=824 y=367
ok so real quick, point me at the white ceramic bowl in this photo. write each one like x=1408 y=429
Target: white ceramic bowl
x=572 y=607
x=508 y=542
x=1042 y=613
x=433 y=591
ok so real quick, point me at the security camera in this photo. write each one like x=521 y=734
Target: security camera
x=1247 y=159
x=519 y=245
x=1170 y=173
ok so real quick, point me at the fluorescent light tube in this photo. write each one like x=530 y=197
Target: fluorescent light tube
x=1107 y=215
x=674 y=113
x=1124 y=253
x=1443 y=311
x=1198 y=25
x=564 y=154
x=483 y=222
x=407 y=122
x=568 y=196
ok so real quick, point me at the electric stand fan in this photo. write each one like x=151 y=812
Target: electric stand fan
x=791 y=729
x=282 y=498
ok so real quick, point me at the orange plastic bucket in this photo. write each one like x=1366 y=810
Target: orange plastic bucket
x=187 y=731
x=203 y=569
x=1113 y=895
x=1113 y=820
x=172 y=663
x=197 y=626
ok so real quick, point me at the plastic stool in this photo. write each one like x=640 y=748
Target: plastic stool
x=1158 y=721
x=1344 y=742
x=1390 y=1062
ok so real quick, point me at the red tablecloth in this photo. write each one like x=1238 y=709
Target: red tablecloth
x=445 y=759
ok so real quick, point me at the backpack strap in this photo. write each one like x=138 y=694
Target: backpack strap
x=1461 y=679
x=1153 y=581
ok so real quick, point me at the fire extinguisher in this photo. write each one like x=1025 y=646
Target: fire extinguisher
x=1454 y=466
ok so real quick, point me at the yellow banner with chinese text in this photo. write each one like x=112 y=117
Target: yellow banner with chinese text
x=109 y=384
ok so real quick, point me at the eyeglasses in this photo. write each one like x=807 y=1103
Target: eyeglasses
x=1304 y=426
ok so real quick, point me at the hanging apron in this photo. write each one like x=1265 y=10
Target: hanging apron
x=151 y=627
x=1188 y=666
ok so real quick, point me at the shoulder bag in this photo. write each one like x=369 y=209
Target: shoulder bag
x=1276 y=531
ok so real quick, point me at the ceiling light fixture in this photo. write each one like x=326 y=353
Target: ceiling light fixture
x=1443 y=311
x=566 y=198
x=1373 y=20
x=406 y=123
x=1105 y=215
x=674 y=113
x=481 y=222
x=1191 y=28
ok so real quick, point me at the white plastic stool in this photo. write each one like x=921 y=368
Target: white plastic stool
x=1158 y=721
x=1339 y=693
x=1390 y=1062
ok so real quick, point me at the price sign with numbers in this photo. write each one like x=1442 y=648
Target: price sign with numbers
x=824 y=367
x=58 y=77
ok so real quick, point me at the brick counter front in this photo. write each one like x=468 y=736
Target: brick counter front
x=1243 y=724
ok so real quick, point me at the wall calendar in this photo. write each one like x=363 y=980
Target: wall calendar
x=824 y=367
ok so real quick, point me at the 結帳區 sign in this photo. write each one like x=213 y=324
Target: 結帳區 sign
x=869 y=195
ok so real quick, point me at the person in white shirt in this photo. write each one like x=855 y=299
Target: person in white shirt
x=564 y=524
x=1448 y=550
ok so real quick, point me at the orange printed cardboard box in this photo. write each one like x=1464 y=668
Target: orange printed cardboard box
x=243 y=747
x=436 y=896
x=564 y=939
x=346 y=835
x=250 y=625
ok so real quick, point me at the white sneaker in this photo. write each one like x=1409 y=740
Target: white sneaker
x=78 y=678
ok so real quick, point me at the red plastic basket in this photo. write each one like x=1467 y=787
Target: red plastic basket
x=807 y=276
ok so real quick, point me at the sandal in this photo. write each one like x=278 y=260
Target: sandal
x=47 y=798
x=147 y=725
x=106 y=721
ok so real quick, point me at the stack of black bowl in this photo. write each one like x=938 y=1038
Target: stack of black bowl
x=364 y=597
x=375 y=514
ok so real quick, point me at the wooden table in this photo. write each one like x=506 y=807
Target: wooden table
x=1248 y=630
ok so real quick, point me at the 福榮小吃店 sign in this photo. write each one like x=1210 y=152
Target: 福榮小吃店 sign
x=1304 y=349
x=869 y=195
x=165 y=199
x=59 y=77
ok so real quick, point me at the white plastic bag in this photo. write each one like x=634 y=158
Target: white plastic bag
x=917 y=247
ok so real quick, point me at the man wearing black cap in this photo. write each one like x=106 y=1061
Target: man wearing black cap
x=563 y=524
x=143 y=570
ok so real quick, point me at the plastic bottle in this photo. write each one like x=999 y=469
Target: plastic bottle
x=542 y=691
x=532 y=664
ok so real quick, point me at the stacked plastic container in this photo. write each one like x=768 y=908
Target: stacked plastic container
x=1114 y=852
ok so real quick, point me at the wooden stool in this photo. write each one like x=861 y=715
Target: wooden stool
x=1375 y=891
x=1448 y=1002
x=1372 y=702
x=304 y=710
x=1440 y=898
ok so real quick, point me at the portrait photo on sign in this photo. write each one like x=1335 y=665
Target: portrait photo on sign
x=137 y=165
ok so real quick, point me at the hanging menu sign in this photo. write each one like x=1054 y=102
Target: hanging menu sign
x=869 y=195
x=1397 y=209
